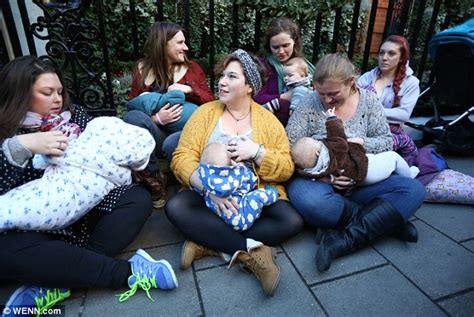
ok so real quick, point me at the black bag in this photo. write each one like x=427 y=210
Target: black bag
x=455 y=136
x=459 y=137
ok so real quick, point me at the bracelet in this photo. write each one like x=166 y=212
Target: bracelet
x=259 y=152
x=157 y=117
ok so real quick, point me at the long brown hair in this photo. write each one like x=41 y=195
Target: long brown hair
x=156 y=60
x=285 y=25
x=16 y=89
x=400 y=73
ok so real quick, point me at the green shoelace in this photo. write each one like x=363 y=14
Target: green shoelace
x=144 y=283
x=52 y=298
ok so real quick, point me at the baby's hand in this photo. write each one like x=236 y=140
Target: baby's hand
x=331 y=112
x=356 y=140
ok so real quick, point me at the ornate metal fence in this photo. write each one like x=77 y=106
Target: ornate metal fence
x=76 y=37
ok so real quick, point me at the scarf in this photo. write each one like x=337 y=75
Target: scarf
x=34 y=122
x=279 y=69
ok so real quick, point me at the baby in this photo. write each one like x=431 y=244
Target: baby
x=151 y=102
x=222 y=177
x=94 y=163
x=296 y=79
x=336 y=156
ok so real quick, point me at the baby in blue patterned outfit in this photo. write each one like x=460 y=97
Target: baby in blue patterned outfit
x=99 y=160
x=223 y=178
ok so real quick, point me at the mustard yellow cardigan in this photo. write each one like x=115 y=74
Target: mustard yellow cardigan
x=277 y=165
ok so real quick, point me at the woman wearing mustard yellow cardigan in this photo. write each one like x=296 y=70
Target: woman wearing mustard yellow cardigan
x=253 y=136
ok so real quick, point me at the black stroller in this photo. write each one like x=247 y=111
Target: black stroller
x=452 y=84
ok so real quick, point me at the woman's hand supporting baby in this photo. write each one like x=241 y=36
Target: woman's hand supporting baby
x=168 y=114
x=48 y=143
x=226 y=205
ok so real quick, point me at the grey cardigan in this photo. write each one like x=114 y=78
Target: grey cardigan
x=368 y=122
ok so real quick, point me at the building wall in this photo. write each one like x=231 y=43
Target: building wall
x=379 y=26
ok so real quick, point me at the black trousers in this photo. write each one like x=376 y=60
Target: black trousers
x=188 y=212
x=35 y=258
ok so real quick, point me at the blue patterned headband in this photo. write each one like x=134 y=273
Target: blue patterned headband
x=250 y=69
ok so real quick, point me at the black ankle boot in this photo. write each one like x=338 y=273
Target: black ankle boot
x=406 y=232
x=377 y=219
x=349 y=212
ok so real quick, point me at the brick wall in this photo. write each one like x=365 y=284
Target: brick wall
x=379 y=26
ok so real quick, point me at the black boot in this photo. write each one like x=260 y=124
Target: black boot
x=350 y=211
x=378 y=218
x=406 y=232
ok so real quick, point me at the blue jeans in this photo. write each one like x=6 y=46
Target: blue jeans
x=320 y=206
x=165 y=143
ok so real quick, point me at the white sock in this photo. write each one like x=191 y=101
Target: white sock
x=414 y=171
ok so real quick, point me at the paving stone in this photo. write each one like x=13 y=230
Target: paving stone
x=379 y=292
x=456 y=221
x=462 y=164
x=233 y=292
x=208 y=262
x=157 y=231
x=302 y=251
x=435 y=264
x=459 y=306
x=469 y=244
x=71 y=307
x=169 y=303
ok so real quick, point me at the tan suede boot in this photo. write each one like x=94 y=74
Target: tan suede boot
x=192 y=251
x=260 y=259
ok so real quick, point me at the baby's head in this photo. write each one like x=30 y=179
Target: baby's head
x=215 y=154
x=295 y=70
x=305 y=152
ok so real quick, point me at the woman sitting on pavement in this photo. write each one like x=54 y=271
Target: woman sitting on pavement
x=398 y=90
x=254 y=136
x=165 y=68
x=48 y=263
x=397 y=87
x=368 y=212
x=283 y=42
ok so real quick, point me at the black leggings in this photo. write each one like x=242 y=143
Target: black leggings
x=188 y=212
x=36 y=258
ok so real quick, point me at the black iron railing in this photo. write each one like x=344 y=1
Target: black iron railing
x=77 y=37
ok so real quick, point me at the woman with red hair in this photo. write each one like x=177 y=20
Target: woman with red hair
x=398 y=90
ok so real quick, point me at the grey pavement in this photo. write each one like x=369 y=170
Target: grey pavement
x=434 y=277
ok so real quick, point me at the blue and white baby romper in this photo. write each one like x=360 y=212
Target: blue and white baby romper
x=237 y=181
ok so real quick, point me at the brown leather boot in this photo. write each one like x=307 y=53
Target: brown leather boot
x=192 y=251
x=260 y=259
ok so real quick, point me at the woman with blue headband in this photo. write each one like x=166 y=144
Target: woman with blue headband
x=253 y=136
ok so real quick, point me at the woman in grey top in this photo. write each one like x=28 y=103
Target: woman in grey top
x=365 y=213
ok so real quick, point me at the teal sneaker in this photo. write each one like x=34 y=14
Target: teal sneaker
x=34 y=298
x=148 y=273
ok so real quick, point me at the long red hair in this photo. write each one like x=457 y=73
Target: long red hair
x=400 y=73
